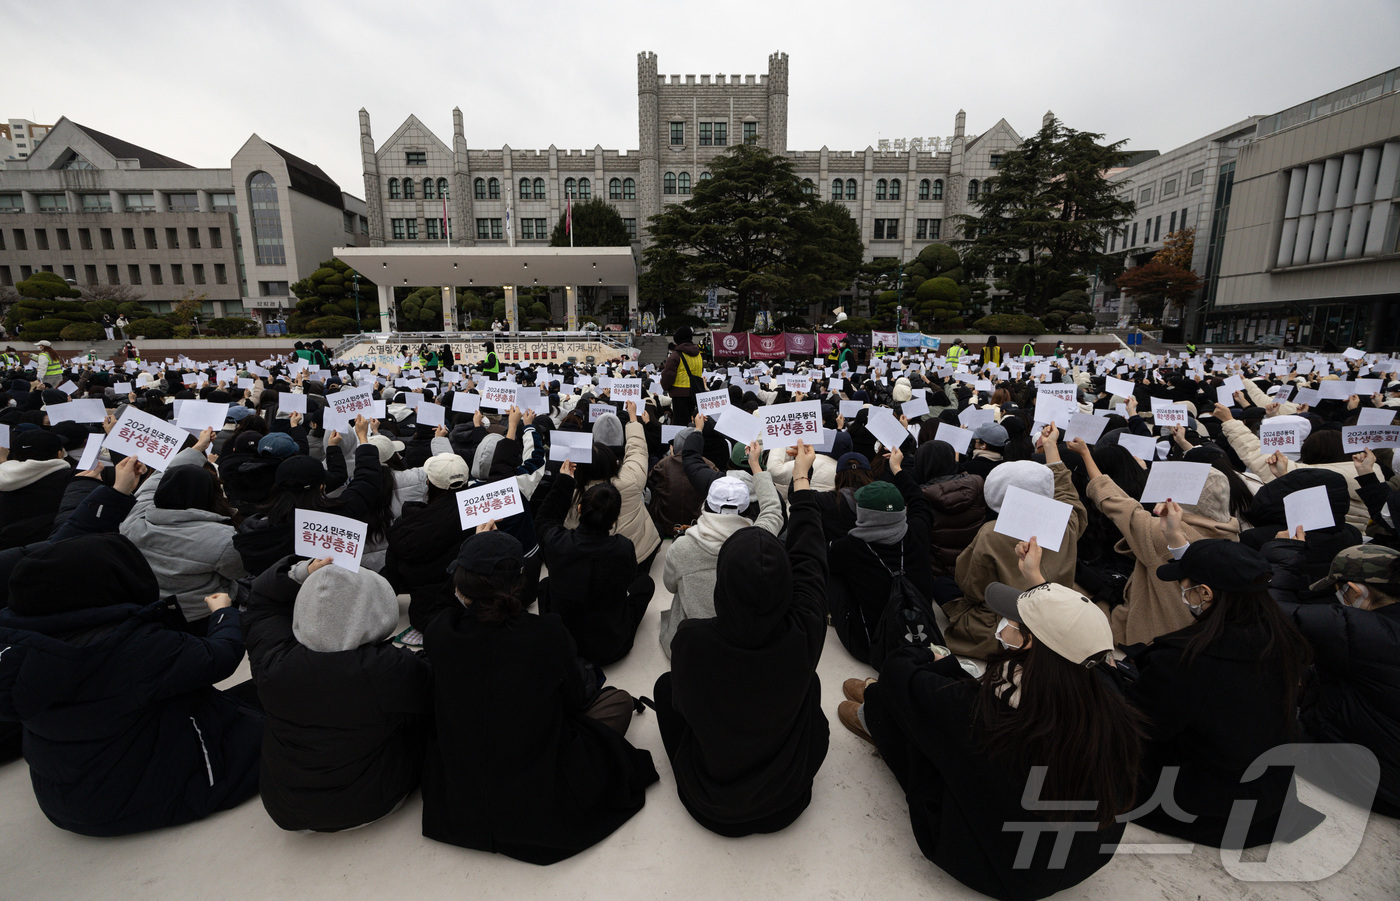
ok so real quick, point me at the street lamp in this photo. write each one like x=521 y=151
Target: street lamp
x=357 y=303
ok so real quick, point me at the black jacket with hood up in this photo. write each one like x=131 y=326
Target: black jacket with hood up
x=740 y=761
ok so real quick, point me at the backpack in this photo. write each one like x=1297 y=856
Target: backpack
x=907 y=620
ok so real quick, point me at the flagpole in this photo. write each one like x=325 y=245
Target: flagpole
x=510 y=214
x=569 y=219
x=446 y=230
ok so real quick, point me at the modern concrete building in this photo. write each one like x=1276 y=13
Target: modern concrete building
x=421 y=189
x=18 y=138
x=98 y=210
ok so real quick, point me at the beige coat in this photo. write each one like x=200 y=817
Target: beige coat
x=1151 y=607
x=1246 y=444
x=634 y=521
x=992 y=558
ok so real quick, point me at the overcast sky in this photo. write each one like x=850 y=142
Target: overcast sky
x=194 y=80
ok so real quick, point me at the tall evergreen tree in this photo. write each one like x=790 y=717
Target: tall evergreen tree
x=752 y=229
x=1040 y=224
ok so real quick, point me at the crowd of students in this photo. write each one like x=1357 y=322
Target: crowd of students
x=1132 y=673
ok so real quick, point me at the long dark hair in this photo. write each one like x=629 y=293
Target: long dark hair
x=604 y=467
x=495 y=599
x=1070 y=720
x=283 y=503
x=1324 y=446
x=602 y=504
x=1255 y=609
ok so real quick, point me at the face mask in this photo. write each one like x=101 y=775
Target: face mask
x=1342 y=596
x=1000 y=626
x=1194 y=608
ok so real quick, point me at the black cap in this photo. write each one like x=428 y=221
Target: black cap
x=684 y=335
x=1223 y=565
x=490 y=553
x=35 y=444
x=300 y=473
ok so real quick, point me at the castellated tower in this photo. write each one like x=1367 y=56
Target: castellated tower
x=649 y=175
x=776 y=139
x=374 y=207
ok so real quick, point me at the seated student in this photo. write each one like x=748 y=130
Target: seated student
x=629 y=476
x=675 y=502
x=959 y=508
x=1352 y=692
x=346 y=710
x=593 y=583
x=991 y=556
x=1217 y=694
x=988 y=442
x=123 y=728
x=690 y=564
x=891 y=535
x=965 y=750
x=33 y=476
x=1302 y=558
x=740 y=712
x=529 y=758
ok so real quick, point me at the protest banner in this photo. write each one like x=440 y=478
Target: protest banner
x=320 y=535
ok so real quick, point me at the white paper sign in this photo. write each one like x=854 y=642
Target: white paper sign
x=87 y=410
x=1310 y=508
x=850 y=408
x=740 y=425
x=576 y=446
x=320 y=535
x=153 y=441
x=343 y=406
x=1375 y=416
x=668 y=432
x=1181 y=482
x=1055 y=403
x=68 y=387
x=1025 y=515
x=198 y=415
x=497 y=395
x=494 y=500
x=971 y=417
x=784 y=425
x=914 y=406
x=886 y=429
x=1120 y=387
x=1353 y=353
x=1286 y=436
x=1356 y=438
x=798 y=384
x=1086 y=426
x=90 y=452
x=624 y=390
x=960 y=439
x=712 y=403
x=1144 y=447
x=462 y=402
x=291 y=402
x=4 y=436
x=596 y=410
x=431 y=414
x=1166 y=413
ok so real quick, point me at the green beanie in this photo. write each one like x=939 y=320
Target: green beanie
x=880 y=496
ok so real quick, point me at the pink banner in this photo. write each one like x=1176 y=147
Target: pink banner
x=827 y=340
x=731 y=344
x=767 y=347
x=800 y=344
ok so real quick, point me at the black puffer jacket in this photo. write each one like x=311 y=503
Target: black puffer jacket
x=31 y=492
x=959 y=510
x=345 y=730
x=1298 y=564
x=1353 y=690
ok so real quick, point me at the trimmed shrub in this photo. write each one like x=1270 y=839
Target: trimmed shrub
x=82 y=331
x=331 y=326
x=667 y=325
x=228 y=326
x=44 y=329
x=150 y=327
x=1009 y=324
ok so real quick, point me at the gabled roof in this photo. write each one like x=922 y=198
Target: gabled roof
x=413 y=122
x=125 y=150
x=1002 y=126
x=309 y=179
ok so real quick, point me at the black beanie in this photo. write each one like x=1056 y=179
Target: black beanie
x=81 y=572
x=684 y=335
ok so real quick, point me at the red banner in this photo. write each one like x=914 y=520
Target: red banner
x=767 y=347
x=827 y=340
x=800 y=344
x=731 y=344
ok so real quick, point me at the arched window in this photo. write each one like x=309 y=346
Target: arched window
x=614 y=189
x=268 y=248
x=683 y=184
x=442 y=189
x=570 y=189
x=585 y=189
x=479 y=189
x=409 y=188
x=881 y=188
x=539 y=189
x=894 y=189
x=394 y=192
x=986 y=186
x=428 y=189
x=493 y=188
x=838 y=189
x=850 y=189
x=972 y=190
x=808 y=187
x=923 y=189
x=525 y=189
x=937 y=189
x=629 y=189
x=704 y=176
x=668 y=183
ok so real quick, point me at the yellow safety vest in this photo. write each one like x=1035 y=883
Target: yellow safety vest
x=688 y=363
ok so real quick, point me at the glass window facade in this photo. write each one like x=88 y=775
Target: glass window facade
x=268 y=249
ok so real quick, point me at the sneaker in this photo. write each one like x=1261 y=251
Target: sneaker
x=846 y=713
x=854 y=689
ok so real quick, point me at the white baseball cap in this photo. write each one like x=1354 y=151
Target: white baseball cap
x=727 y=494
x=1061 y=618
x=386 y=446
x=43 y=344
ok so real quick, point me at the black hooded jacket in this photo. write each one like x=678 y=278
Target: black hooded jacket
x=124 y=731
x=1298 y=564
x=345 y=730
x=745 y=682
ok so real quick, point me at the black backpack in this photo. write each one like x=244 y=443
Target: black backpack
x=906 y=621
